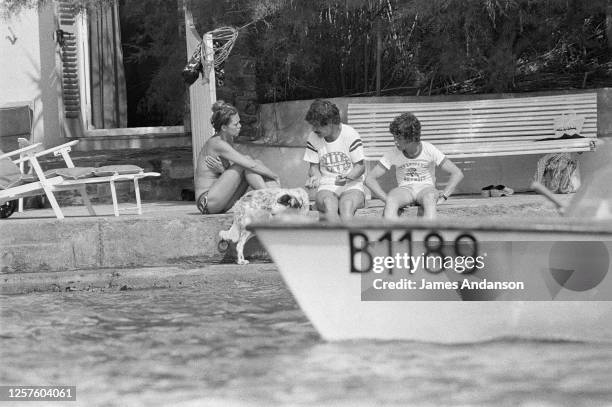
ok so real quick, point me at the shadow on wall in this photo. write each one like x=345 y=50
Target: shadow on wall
x=285 y=161
x=283 y=123
x=22 y=118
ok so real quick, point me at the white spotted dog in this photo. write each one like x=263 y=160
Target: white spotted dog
x=260 y=206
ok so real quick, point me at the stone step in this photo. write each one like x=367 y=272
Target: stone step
x=166 y=234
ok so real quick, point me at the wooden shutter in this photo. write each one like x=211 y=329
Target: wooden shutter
x=67 y=41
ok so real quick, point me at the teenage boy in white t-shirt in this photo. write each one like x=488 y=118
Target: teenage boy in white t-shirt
x=335 y=153
x=415 y=164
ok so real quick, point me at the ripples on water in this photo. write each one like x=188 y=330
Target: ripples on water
x=240 y=339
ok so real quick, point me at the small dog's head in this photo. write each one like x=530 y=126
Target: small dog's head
x=289 y=201
x=296 y=198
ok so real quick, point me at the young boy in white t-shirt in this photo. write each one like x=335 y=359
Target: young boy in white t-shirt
x=335 y=155
x=415 y=164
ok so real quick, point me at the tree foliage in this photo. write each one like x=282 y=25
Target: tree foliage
x=326 y=48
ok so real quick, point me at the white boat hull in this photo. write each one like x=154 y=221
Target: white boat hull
x=315 y=262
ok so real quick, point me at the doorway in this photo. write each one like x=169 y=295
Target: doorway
x=154 y=54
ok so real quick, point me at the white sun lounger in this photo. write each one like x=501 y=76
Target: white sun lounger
x=44 y=185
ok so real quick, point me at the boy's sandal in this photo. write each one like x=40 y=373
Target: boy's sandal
x=501 y=190
x=486 y=191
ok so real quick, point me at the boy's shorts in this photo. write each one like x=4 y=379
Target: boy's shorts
x=340 y=189
x=418 y=190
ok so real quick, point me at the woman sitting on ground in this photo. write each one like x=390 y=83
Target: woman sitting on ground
x=222 y=173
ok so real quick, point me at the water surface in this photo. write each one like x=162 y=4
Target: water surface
x=240 y=339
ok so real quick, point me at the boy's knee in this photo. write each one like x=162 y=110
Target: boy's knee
x=330 y=201
x=391 y=201
x=430 y=197
x=347 y=208
x=327 y=204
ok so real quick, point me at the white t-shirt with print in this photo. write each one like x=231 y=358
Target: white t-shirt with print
x=418 y=170
x=337 y=157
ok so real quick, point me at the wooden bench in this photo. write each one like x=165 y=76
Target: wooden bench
x=481 y=128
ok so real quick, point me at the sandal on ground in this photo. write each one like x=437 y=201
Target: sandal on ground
x=501 y=190
x=486 y=191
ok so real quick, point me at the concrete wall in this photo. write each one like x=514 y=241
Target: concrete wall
x=284 y=134
x=28 y=72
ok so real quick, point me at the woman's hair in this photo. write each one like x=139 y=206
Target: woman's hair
x=322 y=113
x=222 y=114
x=406 y=126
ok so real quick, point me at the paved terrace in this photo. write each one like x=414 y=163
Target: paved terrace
x=39 y=252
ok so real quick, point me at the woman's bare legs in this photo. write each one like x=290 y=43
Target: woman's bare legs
x=230 y=186
x=256 y=181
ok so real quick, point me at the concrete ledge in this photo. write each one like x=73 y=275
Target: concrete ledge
x=175 y=233
x=518 y=205
x=169 y=233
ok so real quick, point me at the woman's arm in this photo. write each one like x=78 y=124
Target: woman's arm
x=371 y=182
x=223 y=149
x=215 y=164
